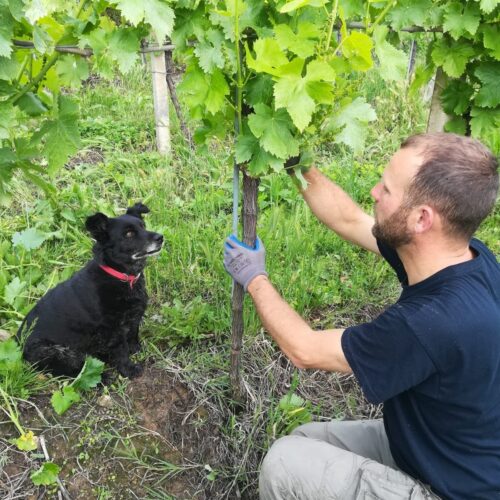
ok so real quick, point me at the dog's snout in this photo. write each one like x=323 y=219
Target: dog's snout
x=158 y=238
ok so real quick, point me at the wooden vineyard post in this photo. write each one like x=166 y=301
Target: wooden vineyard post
x=160 y=101
x=249 y=211
x=437 y=117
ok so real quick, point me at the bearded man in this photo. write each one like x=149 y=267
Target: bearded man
x=432 y=358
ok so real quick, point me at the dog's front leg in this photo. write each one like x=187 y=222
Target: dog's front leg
x=133 y=338
x=119 y=358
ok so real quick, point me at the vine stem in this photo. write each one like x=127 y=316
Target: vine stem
x=380 y=17
x=332 y=23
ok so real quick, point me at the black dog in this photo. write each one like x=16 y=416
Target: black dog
x=98 y=310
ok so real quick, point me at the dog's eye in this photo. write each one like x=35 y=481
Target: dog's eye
x=130 y=234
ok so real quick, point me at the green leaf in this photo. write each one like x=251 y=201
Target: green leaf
x=6 y=31
x=273 y=131
x=487 y=6
x=10 y=354
x=46 y=474
x=269 y=57
x=209 y=51
x=352 y=119
x=456 y=97
x=72 y=70
x=157 y=13
x=290 y=92
x=26 y=442
x=42 y=41
x=298 y=4
x=64 y=399
x=30 y=239
x=8 y=68
x=485 y=125
x=409 y=13
x=457 y=125
x=31 y=104
x=452 y=57
x=124 y=45
x=62 y=138
x=259 y=89
x=491 y=37
x=218 y=89
x=489 y=93
x=13 y=290
x=460 y=19
x=90 y=375
x=303 y=43
x=393 y=62
x=246 y=146
x=357 y=47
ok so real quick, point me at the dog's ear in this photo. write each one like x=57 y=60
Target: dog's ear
x=97 y=226
x=137 y=210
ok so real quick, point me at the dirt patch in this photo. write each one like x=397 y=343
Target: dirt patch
x=133 y=441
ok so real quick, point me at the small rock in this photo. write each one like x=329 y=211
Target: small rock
x=105 y=401
x=4 y=335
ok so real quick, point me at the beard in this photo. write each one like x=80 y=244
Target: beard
x=394 y=230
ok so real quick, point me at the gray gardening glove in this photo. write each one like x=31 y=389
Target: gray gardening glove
x=242 y=262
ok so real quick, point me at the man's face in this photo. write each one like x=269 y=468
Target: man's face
x=391 y=212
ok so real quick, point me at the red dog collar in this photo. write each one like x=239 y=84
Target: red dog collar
x=128 y=278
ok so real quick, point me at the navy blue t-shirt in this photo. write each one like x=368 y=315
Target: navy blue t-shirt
x=433 y=359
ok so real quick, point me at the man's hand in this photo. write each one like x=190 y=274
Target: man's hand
x=242 y=262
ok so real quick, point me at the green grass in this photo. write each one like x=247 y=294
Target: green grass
x=330 y=282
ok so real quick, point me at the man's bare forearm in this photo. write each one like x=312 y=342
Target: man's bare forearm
x=303 y=346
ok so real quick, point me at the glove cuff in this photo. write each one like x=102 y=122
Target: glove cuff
x=251 y=277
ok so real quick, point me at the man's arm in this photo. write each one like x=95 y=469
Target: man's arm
x=336 y=209
x=304 y=347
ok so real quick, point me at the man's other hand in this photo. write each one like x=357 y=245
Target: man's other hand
x=242 y=262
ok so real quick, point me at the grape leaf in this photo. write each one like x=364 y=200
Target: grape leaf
x=352 y=119
x=46 y=474
x=460 y=19
x=487 y=6
x=30 y=238
x=62 y=137
x=41 y=40
x=489 y=93
x=124 y=44
x=357 y=47
x=157 y=13
x=31 y=104
x=8 y=68
x=452 y=57
x=457 y=125
x=409 y=13
x=393 y=62
x=90 y=374
x=71 y=70
x=456 y=97
x=63 y=400
x=290 y=92
x=485 y=125
x=491 y=37
x=302 y=43
x=209 y=51
x=27 y=441
x=273 y=129
x=268 y=57
x=6 y=31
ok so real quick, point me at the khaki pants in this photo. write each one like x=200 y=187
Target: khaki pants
x=339 y=460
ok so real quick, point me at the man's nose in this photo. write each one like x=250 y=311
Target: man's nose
x=375 y=191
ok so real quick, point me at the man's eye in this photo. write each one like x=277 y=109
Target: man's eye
x=129 y=234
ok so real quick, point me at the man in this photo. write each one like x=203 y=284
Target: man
x=433 y=358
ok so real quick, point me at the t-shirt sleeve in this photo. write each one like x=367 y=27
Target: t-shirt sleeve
x=386 y=356
x=392 y=257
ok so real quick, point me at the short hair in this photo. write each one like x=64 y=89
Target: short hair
x=458 y=178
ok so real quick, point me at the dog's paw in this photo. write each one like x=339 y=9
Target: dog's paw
x=132 y=370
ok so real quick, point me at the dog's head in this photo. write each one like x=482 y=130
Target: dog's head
x=124 y=241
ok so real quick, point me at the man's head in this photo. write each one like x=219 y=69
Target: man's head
x=442 y=181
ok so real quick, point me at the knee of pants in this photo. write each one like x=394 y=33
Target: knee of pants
x=283 y=450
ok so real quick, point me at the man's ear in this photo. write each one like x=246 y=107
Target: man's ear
x=425 y=219
x=97 y=226
x=137 y=210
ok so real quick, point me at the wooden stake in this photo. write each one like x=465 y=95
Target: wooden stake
x=160 y=100
x=437 y=117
